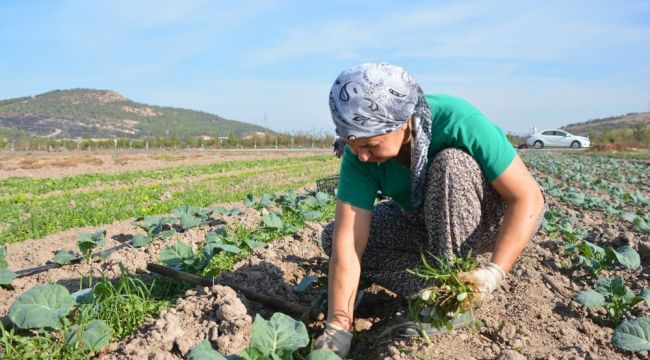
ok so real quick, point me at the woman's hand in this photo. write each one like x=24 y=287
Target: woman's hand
x=485 y=280
x=335 y=339
x=351 y=228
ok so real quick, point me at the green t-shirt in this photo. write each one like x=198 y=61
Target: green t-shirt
x=455 y=123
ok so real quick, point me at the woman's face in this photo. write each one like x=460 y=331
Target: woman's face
x=378 y=148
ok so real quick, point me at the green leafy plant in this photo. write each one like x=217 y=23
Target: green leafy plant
x=595 y=259
x=278 y=338
x=63 y=257
x=191 y=216
x=216 y=241
x=89 y=241
x=227 y=212
x=155 y=226
x=447 y=296
x=264 y=201
x=90 y=337
x=180 y=256
x=6 y=275
x=614 y=296
x=633 y=335
x=43 y=306
x=139 y=240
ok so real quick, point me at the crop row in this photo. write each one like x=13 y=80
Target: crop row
x=570 y=184
x=80 y=324
x=38 y=217
x=22 y=185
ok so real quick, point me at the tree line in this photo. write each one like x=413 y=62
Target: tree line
x=26 y=142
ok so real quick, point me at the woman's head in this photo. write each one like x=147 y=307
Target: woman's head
x=372 y=99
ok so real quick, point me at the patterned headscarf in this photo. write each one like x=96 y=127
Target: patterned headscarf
x=376 y=99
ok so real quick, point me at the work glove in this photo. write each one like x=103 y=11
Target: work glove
x=335 y=339
x=485 y=280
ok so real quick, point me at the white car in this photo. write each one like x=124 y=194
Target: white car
x=557 y=138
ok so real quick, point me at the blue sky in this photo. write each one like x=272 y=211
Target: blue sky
x=522 y=63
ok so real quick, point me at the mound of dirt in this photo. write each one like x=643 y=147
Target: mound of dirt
x=214 y=313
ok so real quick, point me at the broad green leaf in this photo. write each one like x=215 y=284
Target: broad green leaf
x=603 y=285
x=167 y=233
x=628 y=257
x=189 y=221
x=220 y=231
x=41 y=307
x=204 y=351
x=633 y=335
x=220 y=210
x=321 y=354
x=82 y=295
x=629 y=217
x=272 y=220
x=280 y=336
x=322 y=197
x=176 y=255
x=63 y=257
x=252 y=244
x=249 y=201
x=88 y=241
x=94 y=336
x=311 y=215
x=266 y=200
x=234 y=212
x=228 y=248
x=590 y=298
x=6 y=277
x=139 y=240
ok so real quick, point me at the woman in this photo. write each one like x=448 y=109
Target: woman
x=456 y=184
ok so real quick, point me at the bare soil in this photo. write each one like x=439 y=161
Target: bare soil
x=532 y=315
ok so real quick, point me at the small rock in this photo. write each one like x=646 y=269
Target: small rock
x=510 y=355
x=392 y=350
x=362 y=325
x=231 y=311
x=183 y=345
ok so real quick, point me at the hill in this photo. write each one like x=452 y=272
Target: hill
x=621 y=122
x=90 y=113
x=632 y=129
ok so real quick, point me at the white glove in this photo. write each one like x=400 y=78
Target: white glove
x=335 y=339
x=485 y=280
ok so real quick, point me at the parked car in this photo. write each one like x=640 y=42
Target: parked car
x=557 y=138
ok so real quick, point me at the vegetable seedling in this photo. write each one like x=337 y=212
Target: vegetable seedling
x=614 y=296
x=6 y=275
x=447 y=296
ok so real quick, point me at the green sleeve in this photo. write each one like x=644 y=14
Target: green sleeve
x=486 y=143
x=357 y=186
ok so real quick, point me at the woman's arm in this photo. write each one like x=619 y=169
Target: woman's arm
x=351 y=228
x=525 y=202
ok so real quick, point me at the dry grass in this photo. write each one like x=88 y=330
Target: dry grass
x=31 y=164
x=168 y=157
x=123 y=160
x=611 y=147
x=73 y=161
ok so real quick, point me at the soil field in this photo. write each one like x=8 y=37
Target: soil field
x=69 y=163
x=533 y=315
